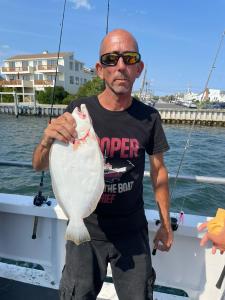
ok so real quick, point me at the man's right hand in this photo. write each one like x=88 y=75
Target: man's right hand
x=61 y=128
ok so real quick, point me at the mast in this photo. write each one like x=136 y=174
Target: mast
x=143 y=84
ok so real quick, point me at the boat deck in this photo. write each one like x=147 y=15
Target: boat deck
x=15 y=290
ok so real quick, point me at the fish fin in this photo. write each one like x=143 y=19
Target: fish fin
x=77 y=232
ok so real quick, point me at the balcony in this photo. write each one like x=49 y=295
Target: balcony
x=17 y=70
x=44 y=82
x=49 y=68
x=16 y=83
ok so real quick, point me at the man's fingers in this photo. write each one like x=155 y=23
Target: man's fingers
x=158 y=244
x=63 y=126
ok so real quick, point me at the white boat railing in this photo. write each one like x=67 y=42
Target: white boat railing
x=199 y=179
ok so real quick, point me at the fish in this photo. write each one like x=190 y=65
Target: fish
x=77 y=175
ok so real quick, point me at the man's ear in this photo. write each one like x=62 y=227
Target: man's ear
x=99 y=70
x=140 y=68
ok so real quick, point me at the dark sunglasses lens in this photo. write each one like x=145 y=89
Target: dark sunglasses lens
x=131 y=58
x=109 y=59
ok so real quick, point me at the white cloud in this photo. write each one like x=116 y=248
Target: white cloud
x=132 y=13
x=81 y=4
x=4 y=46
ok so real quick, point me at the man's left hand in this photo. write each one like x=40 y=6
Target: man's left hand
x=163 y=239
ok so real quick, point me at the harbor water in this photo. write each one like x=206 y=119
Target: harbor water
x=205 y=156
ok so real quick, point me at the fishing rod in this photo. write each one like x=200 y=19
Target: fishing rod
x=194 y=122
x=175 y=222
x=39 y=199
x=107 y=18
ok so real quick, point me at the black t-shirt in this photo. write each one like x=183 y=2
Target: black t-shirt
x=124 y=136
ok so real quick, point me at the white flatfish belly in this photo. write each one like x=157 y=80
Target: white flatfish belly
x=77 y=174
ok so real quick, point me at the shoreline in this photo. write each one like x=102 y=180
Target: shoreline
x=204 y=117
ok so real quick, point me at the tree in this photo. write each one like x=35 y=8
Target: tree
x=92 y=87
x=68 y=99
x=45 y=97
x=7 y=98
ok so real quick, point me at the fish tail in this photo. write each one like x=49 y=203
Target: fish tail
x=77 y=232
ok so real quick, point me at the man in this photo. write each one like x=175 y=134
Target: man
x=118 y=228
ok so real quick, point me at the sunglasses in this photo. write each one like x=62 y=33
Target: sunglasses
x=129 y=58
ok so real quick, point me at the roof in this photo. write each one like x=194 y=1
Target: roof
x=40 y=55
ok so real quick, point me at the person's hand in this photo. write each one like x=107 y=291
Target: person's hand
x=163 y=239
x=218 y=240
x=61 y=128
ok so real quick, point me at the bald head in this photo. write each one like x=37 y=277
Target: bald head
x=115 y=39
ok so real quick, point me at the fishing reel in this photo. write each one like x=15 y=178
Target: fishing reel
x=39 y=200
x=174 y=226
x=173 y=222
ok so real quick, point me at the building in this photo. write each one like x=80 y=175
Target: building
x=213 y=95
x=30 y=73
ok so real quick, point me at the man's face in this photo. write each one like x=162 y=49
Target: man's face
x=119 y=78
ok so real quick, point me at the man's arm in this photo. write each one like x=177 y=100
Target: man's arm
x=62 y=129
x=159 y=175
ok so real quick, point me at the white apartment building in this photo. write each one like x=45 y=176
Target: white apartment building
x=30 y=73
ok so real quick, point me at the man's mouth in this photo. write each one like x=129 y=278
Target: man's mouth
x=121 y=79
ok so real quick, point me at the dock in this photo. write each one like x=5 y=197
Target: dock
x=30 y=110
x=206 y=117
x=174 y=115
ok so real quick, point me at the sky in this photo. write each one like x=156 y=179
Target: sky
x=178 y=39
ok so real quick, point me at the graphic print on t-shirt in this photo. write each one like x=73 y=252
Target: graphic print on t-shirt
x=118 y=156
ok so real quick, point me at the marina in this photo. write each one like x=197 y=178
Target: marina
x=178 y=115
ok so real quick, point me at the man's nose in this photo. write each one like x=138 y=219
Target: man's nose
x=121 y=64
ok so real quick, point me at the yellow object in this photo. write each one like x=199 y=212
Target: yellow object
x=216 y=225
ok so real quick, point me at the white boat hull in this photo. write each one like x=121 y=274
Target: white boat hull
x=187 y=266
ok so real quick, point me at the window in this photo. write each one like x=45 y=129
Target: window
x=76 y=66
x=77 y=80
x=71 y=65
x=71 y=80
x=24 y=63
x=50 y=77
x=39 y=77
x=26 y=77
x=52 y=62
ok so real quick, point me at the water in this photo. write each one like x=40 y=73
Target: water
x=204 y=157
